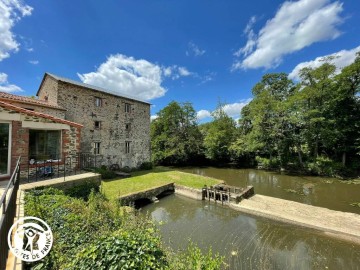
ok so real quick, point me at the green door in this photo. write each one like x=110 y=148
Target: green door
x=4 y=148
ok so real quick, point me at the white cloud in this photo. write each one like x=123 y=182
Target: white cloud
x=34 y=62
x=234 y=109
x=5 y=86
x=123 y=74
x=153 y=117
x=202 y=114
x=295 y=26
x=176 y=72
x=341 y=59
x=11 y=12
x=194 y=49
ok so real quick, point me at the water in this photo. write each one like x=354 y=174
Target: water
x=324 y=192
x=249 y=242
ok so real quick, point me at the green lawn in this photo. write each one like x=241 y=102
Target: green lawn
x=158 y=176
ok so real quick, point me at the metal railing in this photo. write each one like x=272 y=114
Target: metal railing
x=8 y=212
x=36 y=169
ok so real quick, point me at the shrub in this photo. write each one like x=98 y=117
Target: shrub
x=83 y=191
x=146 y=166
x=327 y=167
x=105 y=173
x=98 y=234
x=267 y=163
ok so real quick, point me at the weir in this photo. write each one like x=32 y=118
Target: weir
x=226 y=194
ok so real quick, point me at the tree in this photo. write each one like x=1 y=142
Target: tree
x=218 y=136
x=175 y=136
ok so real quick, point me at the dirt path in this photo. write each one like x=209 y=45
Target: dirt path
x=339 y=224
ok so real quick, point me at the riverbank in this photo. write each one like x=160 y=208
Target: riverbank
x=159 y=176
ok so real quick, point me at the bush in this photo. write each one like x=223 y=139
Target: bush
x=105 y=173
x=146 y=166
x=83 y=191
x=266 y=163
x=99 y=234
x=327 y=167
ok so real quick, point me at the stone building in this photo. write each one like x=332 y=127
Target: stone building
x=34 y=136
x=116 y=127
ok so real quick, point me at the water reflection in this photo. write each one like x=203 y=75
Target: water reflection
x=324 y=192
x=248 y=242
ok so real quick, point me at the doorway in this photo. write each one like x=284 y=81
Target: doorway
x=4 y=148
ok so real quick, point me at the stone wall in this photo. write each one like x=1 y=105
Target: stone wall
x=42 y=109
x=49 y=93
x=112 y=134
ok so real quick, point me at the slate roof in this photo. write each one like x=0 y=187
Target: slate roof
x=38 y=114
x=6 y=97
x=91 y=87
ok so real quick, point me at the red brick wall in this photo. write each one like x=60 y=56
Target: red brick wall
x=19 y=142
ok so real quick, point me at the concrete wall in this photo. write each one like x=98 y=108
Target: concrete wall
x=80 y=105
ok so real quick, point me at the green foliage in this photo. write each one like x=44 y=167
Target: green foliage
x=218 y=136
x=83 y=191
x=99 y=234
x=326 y=166
x=105 y=173
x=175 y=136
x=193 y=258
x=146 y=166
x=267 y=163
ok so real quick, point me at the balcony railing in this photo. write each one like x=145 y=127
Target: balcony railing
x=8 y=211
x=40 y=168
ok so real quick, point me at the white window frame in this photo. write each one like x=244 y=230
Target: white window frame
x=128 y=108
x=9 y=148
x=98 y=102
x=98 y=152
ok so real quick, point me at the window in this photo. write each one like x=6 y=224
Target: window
x=97 y=125
x=98 y=102
x=44 y=144
x=127 y=127
x=96 y=148
x=127 y=147
x=127 y=107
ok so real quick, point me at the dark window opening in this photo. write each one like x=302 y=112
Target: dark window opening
x=128 y=127
x=44 y=144
x=127 y=147
x=97 y=125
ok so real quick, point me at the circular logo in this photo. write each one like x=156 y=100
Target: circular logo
x=31 y=239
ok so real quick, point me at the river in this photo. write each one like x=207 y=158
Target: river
x=249 y=242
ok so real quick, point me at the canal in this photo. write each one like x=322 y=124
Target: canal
x=249 y=242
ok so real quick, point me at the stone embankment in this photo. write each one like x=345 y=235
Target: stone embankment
x=335 y=223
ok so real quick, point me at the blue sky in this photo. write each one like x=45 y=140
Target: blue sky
x=197 y=51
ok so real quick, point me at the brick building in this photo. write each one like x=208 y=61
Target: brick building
x=34 y=135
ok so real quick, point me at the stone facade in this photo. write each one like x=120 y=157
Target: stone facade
x=119 y=126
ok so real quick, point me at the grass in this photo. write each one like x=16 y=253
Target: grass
x=158 y=176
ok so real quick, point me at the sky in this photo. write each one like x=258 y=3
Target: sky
x=201 y=51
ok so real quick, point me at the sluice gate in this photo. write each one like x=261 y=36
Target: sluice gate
x=226 y=194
